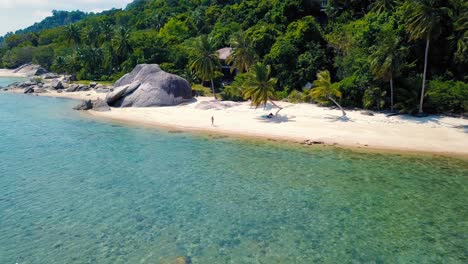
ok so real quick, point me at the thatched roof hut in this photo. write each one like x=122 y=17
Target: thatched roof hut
x=224 y=53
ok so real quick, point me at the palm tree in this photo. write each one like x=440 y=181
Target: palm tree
x=107 y=31
x=380 y=6
x=59 y=64
x=461 y=35
x=423 y=22
x=243 y=56
x=91 y=35
x=91 y=58
x=122 y=44
x=385 y=60
x=260 y=87
x=72 y=33
x=206 y=62
x=324 y=88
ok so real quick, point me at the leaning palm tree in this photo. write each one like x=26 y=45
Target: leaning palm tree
x=206 y=62
x=260 y=87
x=243 y=55
x=72 y=33
x=423 y=22
x=386 y=60
x=325 y=89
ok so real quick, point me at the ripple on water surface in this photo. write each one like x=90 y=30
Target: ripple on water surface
x=74 y=190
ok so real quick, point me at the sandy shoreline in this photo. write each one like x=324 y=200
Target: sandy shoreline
x=300 y=122
x=11 y=73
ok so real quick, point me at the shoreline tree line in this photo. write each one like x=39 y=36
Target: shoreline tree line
x=401 y=55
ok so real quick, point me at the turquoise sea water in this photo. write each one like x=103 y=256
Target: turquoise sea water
x=6 y=81
x=78 y=190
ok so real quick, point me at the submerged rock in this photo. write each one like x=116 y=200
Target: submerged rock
x=148 y=85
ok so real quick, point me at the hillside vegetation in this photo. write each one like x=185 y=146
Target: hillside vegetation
x=380 y=54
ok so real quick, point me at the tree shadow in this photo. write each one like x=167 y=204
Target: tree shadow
x=189 y=102
x=463 y=127
x=277 y=119
x=334 y=118
x=421 y=120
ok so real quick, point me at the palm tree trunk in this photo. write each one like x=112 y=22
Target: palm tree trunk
x=277 y=106
x=428 y=39
x=337 y=104
x=391 y=93
x=213 y=89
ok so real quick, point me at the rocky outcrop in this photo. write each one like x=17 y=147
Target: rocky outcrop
x=148 y=85
x=84 y=105
x=77 y=88
x=69 y=79
x=31 y=70
x=57 y=84
x=28 y=90
x=98 y=105
x=101 y=106
x=50 y=75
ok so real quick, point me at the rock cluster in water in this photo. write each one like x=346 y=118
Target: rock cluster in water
x=148 y=85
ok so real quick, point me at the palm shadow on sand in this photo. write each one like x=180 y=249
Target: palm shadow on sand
x=463 y=127
x=277 y=119
x=334 y=118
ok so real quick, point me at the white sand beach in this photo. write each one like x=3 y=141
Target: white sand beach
x=300 y=122
x=11 y=73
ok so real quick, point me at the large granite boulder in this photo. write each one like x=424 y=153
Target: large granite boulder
x=147 y=85
x=57 y=84
x=101 y=106
x=31 y=70
x=72 y=88
x=84 y=105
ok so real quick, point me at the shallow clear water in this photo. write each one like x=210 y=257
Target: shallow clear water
x=4 y=81
x=78 y=190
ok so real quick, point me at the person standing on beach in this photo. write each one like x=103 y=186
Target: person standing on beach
x=212 y=121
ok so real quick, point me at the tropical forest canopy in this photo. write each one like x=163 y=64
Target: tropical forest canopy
x=374 y=50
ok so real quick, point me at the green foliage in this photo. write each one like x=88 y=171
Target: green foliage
x=174 y=31
x=201 y=90
x=44 y=55
x=324 y=89
x=363 y=44
x=58 y=18
x=448 y=96
x=374 y=98
x=18 y=56
x=243 y=55
x=303 y=40
x=297 y=97
x=260 y=87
